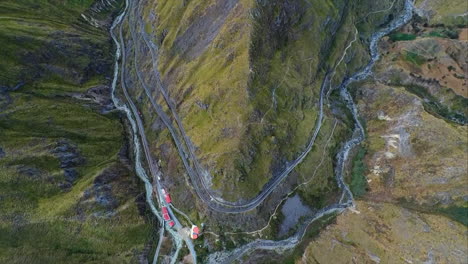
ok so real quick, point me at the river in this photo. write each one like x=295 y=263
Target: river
x=347 y=199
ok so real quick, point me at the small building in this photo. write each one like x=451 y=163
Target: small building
x=194 y=232
x=167 y=197
x=166 y=216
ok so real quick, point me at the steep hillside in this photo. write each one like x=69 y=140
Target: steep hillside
x=67 y=190
x=288 y=131
x=244 y=80
x=385 y=233
x=235 y=94
x=250 y=102
x=411 y=171
x=417 y=146
x=442 y=12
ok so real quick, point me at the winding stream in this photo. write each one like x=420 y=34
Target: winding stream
x=140 y=171
x=347 y=199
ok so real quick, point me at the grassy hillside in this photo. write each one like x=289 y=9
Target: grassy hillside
x=414 y=167
x=245 y=79
x=418 y=142
x=444 y=12
x=389 y=234
x=67 y=194
x=245 y=76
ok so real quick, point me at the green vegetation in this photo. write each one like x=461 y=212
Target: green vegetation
x=414 y=58
x=454 y=108
x=48 y=52
x=398 y=36
x=457 y=213
x=38 y=37
x=358 y=184
x=72 y=241
x=443 y=33
x=269 y=77
x=262 y=77
x=312 y=232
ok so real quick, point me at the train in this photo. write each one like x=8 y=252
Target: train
x=166 y=216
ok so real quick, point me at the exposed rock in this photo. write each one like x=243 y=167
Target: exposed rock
x=5 y=100
x=65 y=186
x=70 y=175
x=100 y=95
x=2 y=153
x=101 y=199
x=69 y=158
x=30 y=172
x=202 y=105
x=203 y=29
x=414 y=154
x=68 y=154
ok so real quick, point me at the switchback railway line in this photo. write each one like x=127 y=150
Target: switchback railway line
x=186 y=149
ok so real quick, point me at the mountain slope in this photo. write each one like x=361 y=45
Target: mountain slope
x=68 y=193
x=412 y=173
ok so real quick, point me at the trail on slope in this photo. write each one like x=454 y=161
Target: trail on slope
x=347 y=199
x=229 y=207
x=200 y=186
x=136 y=126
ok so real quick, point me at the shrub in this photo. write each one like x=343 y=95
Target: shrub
x=358 y=183
x=415 y=58
x=402 y=37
